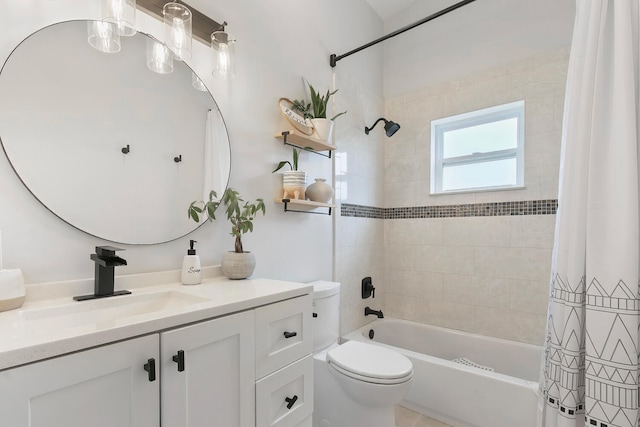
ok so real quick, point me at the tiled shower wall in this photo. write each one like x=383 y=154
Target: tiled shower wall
x=460 y=268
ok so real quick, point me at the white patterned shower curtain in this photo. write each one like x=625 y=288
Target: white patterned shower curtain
x=590 y=367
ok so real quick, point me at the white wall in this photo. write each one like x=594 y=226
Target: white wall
x=476 y=37
x=279 y=43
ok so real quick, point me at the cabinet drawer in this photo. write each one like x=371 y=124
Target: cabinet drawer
x=285 y=398
x=283 y=334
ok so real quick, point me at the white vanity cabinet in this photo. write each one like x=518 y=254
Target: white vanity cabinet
x=247 y=367
x=208 y=373
x=102 y=387
x=198 y=375
x=284 y=367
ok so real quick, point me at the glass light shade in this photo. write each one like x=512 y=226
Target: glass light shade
x=159 y=57
x=177 y=29
x=122 y=13
x=197 y=83
x=223 y=46
x=103 y=36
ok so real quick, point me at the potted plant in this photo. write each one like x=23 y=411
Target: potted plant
x=316 y=110
x=294 y=181
x=236 y=264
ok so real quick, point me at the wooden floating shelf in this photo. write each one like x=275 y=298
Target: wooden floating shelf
x=298 y=139
x=308 y=204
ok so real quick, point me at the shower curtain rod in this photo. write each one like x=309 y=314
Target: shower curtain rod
x=333 y=59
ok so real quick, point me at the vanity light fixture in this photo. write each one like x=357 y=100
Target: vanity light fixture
x=222 y=45
x=197 y=83
x=159 y=57
x=201 y=28
x=122 y=13
x=103 y=36
x=177 y=29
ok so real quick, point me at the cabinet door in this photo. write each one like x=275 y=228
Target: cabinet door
x=216 y=385
x=102 y=387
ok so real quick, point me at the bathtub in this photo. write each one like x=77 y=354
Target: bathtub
x=458 y=394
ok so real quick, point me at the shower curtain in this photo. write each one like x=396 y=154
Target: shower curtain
x=216 y=156
x=590 y=363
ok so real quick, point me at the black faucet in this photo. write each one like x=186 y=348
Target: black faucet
x=106 y=260
x=368 y=311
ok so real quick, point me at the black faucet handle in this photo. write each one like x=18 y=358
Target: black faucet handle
x=367 y=288
x=107 y=250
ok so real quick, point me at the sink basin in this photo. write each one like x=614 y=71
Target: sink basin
x=110 y=311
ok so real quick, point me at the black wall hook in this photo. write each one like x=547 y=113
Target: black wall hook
x=125 y=150
x=178 y=159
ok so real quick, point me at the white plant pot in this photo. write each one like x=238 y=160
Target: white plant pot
x=238 y=265
x=294 y=184
x=322 y=129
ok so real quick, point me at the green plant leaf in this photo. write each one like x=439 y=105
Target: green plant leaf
x=281 y=165
x=296 y=155
x=338 y=115
x=211 y=210
x=303 y=108
x=194 y=216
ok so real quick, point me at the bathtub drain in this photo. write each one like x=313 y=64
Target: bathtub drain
x=465 y=361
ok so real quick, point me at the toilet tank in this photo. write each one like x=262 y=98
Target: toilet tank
x=326 y=312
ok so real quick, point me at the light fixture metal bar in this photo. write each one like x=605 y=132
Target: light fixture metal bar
x=333 y=59
x=202 y=25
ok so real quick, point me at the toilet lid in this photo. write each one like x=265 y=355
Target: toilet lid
x=370 y=362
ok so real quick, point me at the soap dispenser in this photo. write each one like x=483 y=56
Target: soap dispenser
x=191 y=267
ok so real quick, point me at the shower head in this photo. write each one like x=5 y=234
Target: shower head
x=389 y=127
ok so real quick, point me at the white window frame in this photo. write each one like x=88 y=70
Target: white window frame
x=474 y=118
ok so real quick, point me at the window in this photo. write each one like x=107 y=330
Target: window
x=480 y=150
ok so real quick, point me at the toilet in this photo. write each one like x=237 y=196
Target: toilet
x=355 y=383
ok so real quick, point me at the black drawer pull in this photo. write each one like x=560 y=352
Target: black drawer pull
x=314 y=314
x=150 y=367
x=179 y=359
x=290 y=334
x=291 y=401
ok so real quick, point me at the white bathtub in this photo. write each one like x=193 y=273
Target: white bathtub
x=461 y=395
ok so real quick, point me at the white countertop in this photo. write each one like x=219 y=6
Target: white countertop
x=51 y=323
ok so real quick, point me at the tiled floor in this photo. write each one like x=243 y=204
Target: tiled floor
x=408 y=418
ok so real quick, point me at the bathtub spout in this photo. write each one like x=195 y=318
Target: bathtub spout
x=368 y=311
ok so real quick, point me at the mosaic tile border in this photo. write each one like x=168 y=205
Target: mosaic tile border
x=360 y=211
x=526 y=207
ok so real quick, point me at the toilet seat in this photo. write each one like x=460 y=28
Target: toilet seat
x=370 y=363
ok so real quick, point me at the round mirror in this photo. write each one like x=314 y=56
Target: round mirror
x=109 y=146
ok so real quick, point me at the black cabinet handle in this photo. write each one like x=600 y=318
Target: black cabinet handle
x=315 y=314
x=291 y=401
x=179 y=359
x=290 y=334
x=150 y=367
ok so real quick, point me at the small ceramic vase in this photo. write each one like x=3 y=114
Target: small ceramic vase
x=319 y=191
